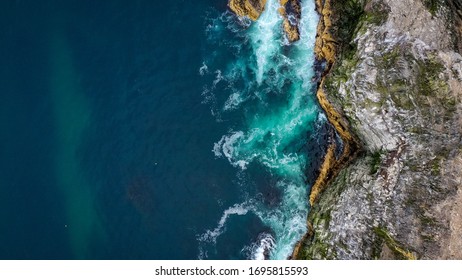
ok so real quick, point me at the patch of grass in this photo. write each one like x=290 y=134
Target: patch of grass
x=389 y=59
x=375 y=17
x=435 y=167
x=432 y=6
x=375 y=162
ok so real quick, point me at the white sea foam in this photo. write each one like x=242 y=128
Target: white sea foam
x=265 y=37
x=225 y=147
x=218 y=78
x=204 y=69
x=268 y=137
x=267 y=244
x=260 y=249
x=233 y=102
x=211 y=236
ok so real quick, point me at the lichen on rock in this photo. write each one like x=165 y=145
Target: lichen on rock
x=398 y=81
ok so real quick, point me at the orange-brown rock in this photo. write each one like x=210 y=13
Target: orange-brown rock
x=325 y=49
x=249 y=8
x=291 y=12
x=325 y=46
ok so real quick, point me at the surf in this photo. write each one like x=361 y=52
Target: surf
x=269 y=84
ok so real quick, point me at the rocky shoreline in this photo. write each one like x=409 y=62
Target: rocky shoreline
x=397 y=78
x=290 y=10
x=392 y=89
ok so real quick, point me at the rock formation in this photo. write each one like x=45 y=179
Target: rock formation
x=290 y=10
x=396 y=76
x=249 y=8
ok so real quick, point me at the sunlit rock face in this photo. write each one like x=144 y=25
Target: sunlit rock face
x=398 y=80
x=249 y=8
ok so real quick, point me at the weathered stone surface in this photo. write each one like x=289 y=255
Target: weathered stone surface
x=398 y=81
x=326 y=45
x=249 y=8
x=456 y=7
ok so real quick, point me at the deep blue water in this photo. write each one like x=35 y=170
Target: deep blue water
x=131 y=129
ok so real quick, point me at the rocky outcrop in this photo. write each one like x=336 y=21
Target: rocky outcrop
x=291 y=12
x=325 y=46
x=397 y=79
x=249 y=8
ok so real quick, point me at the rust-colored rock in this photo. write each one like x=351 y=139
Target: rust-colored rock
x=249 y=8
x=325 y=46
x=291 y=12
x=325 y=49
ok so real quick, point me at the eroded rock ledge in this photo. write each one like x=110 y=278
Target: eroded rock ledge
x=326 y=48
x=291 y=11
x=249 y=8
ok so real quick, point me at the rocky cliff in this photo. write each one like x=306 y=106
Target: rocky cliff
x=394 y=71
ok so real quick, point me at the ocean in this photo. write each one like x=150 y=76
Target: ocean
x=154 y=130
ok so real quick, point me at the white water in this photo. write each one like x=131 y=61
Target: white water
x=269 y=69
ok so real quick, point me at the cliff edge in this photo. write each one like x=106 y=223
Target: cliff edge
x=395 y=74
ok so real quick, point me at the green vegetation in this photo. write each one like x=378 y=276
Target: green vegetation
x=397 y=249
x=435 y=167
x=428 y=81
x=317 y=250
x=432 y=6
x=376 y=16
x=316 y=245
x=375 y=162
x=390 y=59
x=351 y=11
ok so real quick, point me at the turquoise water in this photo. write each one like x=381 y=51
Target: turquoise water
x=269 y=83
x=154 y=130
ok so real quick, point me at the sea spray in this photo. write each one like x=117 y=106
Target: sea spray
x=269 y=84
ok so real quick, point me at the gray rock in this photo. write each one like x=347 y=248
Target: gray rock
x=401 y=92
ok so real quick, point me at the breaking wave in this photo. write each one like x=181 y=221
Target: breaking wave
x=269 y=86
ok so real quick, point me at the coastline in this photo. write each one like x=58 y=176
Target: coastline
x=326 y=50
x=394 y=79
x=391 y=89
